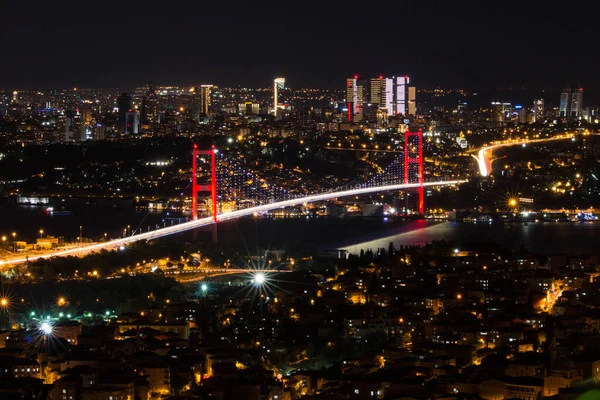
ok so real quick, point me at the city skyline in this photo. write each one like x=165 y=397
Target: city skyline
x=444 y=45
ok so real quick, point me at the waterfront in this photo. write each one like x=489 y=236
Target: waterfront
x=540 y=237
x=306 y=235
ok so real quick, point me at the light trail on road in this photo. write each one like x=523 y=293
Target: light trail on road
x=484 y=163
x=199 y=223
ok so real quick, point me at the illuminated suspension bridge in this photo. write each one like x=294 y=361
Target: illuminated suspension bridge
x=251 y=195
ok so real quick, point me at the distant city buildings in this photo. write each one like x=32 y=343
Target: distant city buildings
x=538 y=111
x=378 y=98
x=278 y=86
x=571 y=103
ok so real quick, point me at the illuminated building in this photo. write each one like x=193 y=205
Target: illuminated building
x=356 y=98
x=205 y=91
x=132 y=124
x=15 y=97
x=571 y=103
x=401 y=95
x=501 y=111
x=381 y=97
x=278 y=85
x=149 y=105
x=538 y=110
x=249 y=107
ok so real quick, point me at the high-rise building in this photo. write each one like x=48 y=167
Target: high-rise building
x=379 y=97
x=571 y=103
x=412 y=100
x=356 y=96
x=124 y=105
x=576 y=102
x=401 y=95
x=382 y=94
x=15 y=97
x=205 y=92
x=149 y=105
x=278 y=85
x=132 y=124
x=538 y=111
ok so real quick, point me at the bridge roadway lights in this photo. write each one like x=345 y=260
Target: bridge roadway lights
x=246 y=212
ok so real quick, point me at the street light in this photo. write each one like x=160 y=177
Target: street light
x=41 y=233
x=259 y=278
x=80 y=235
x=4 y=302
x=14 y=235
x=61 y=301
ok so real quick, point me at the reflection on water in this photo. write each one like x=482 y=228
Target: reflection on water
x=543 y=237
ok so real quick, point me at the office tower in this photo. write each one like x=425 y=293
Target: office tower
x=576 y=103
x=149 y=105
x=377 y=87
x=571 y=103
x=124 y=105
x=205 y=92
x=538 y=111
x=356 y=95
x=565 y=99
x=412 y=100
x=132 y=123
x=278 y=85
x=401 y=95
x=86 y=114
x=501 y=111
x=381 y=93
x=15 y=97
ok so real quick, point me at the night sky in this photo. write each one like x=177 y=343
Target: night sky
x=453 y=44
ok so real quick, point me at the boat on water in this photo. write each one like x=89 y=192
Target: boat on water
x=53 y=212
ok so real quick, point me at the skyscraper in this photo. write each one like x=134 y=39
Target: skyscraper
x=576 y=103
x=401 y=95
x=124 y=105
x=571 y=103
x=205 y=91
x=278 y=85
x=149 y=105
x=356 y=96
x=538 y=110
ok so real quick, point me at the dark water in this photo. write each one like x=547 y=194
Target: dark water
x=256 y=234
x=539 y=237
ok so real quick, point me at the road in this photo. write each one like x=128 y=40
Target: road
x=483 y=157
x=229 y=272
x=186 y=226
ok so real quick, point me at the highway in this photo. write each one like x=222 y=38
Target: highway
x=229 y=272
x=483 y=155
x=186 y=226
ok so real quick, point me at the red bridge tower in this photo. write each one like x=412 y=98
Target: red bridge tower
x=416 y=159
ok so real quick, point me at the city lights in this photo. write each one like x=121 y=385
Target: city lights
x=259 y=278
x=46 y=328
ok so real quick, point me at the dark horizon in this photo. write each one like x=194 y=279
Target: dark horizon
x=472 y=46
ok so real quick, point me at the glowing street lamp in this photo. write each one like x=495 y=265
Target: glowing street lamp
x=46 y=328
x=61 y=301
x=4 y=302
x=259 y=278
x=14 y=235
x=204 y=288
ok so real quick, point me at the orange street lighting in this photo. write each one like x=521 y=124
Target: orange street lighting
x=61 y=301
x=4 y=302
